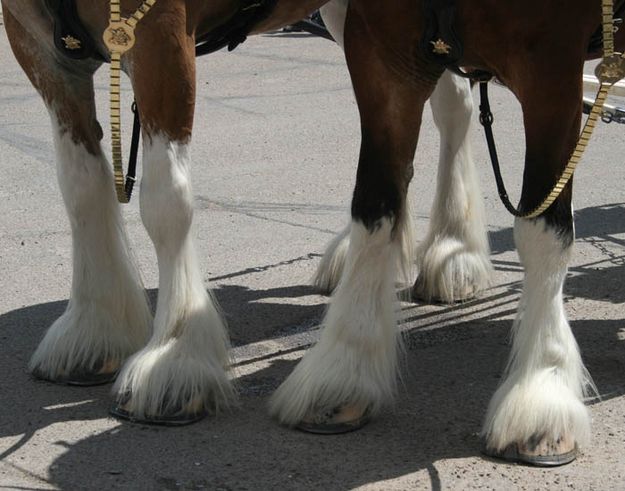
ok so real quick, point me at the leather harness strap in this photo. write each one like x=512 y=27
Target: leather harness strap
x=439 y=42
x=72 y=39
x=235 y=31
x=70 y=36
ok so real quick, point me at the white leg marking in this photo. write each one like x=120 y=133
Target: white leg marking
x=541 y=396
x=107 y=318
x=454 y=259
x=183 y=365
x=354 y=362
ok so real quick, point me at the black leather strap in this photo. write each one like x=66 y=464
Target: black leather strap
x=486 y=119
x=235 y=31
x=131 y=175
x=313 y=28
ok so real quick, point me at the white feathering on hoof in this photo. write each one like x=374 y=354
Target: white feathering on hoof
x=175 y=374
x=184 y=364
x=107 y=318
x=355 y=361
x=545 y=381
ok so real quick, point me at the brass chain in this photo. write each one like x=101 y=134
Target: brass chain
x=119 y=37
x=608 y=72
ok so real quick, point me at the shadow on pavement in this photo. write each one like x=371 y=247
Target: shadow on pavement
x=449 y=374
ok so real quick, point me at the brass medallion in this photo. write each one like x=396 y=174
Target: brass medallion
x=611 y=69
x=119 y=36
x=71 y=42
x=440 y=47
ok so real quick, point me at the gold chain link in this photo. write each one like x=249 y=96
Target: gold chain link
x=608 y=74
x=119 y=37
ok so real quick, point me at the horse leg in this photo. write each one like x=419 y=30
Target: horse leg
x=350 y=373
x=180 y=375
x=537 y=415
x=453 y=259
x=332 y=263
x=107 y=317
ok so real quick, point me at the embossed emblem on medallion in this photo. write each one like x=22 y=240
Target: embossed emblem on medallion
x=440 y=47
x=119 y=37
x=611 y=69
x=71 y=42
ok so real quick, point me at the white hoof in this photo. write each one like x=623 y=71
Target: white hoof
x=449 y=271
x=539 y=451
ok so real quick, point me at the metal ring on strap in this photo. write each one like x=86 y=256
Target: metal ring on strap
x=119 y=37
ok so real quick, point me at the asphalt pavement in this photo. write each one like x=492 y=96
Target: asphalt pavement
x=275 y=148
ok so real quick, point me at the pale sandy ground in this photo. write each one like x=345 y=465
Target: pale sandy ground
x=275 y=148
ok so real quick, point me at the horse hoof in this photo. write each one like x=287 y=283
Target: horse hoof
x=83 y=377
x=540 y=452
x=419 y=293
x=339 y=420
x=174 y=417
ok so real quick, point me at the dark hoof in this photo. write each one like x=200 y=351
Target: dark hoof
x=418 y=294
x=176 y=417
x=83 y=378
x=335 y=422
x=540 y=454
